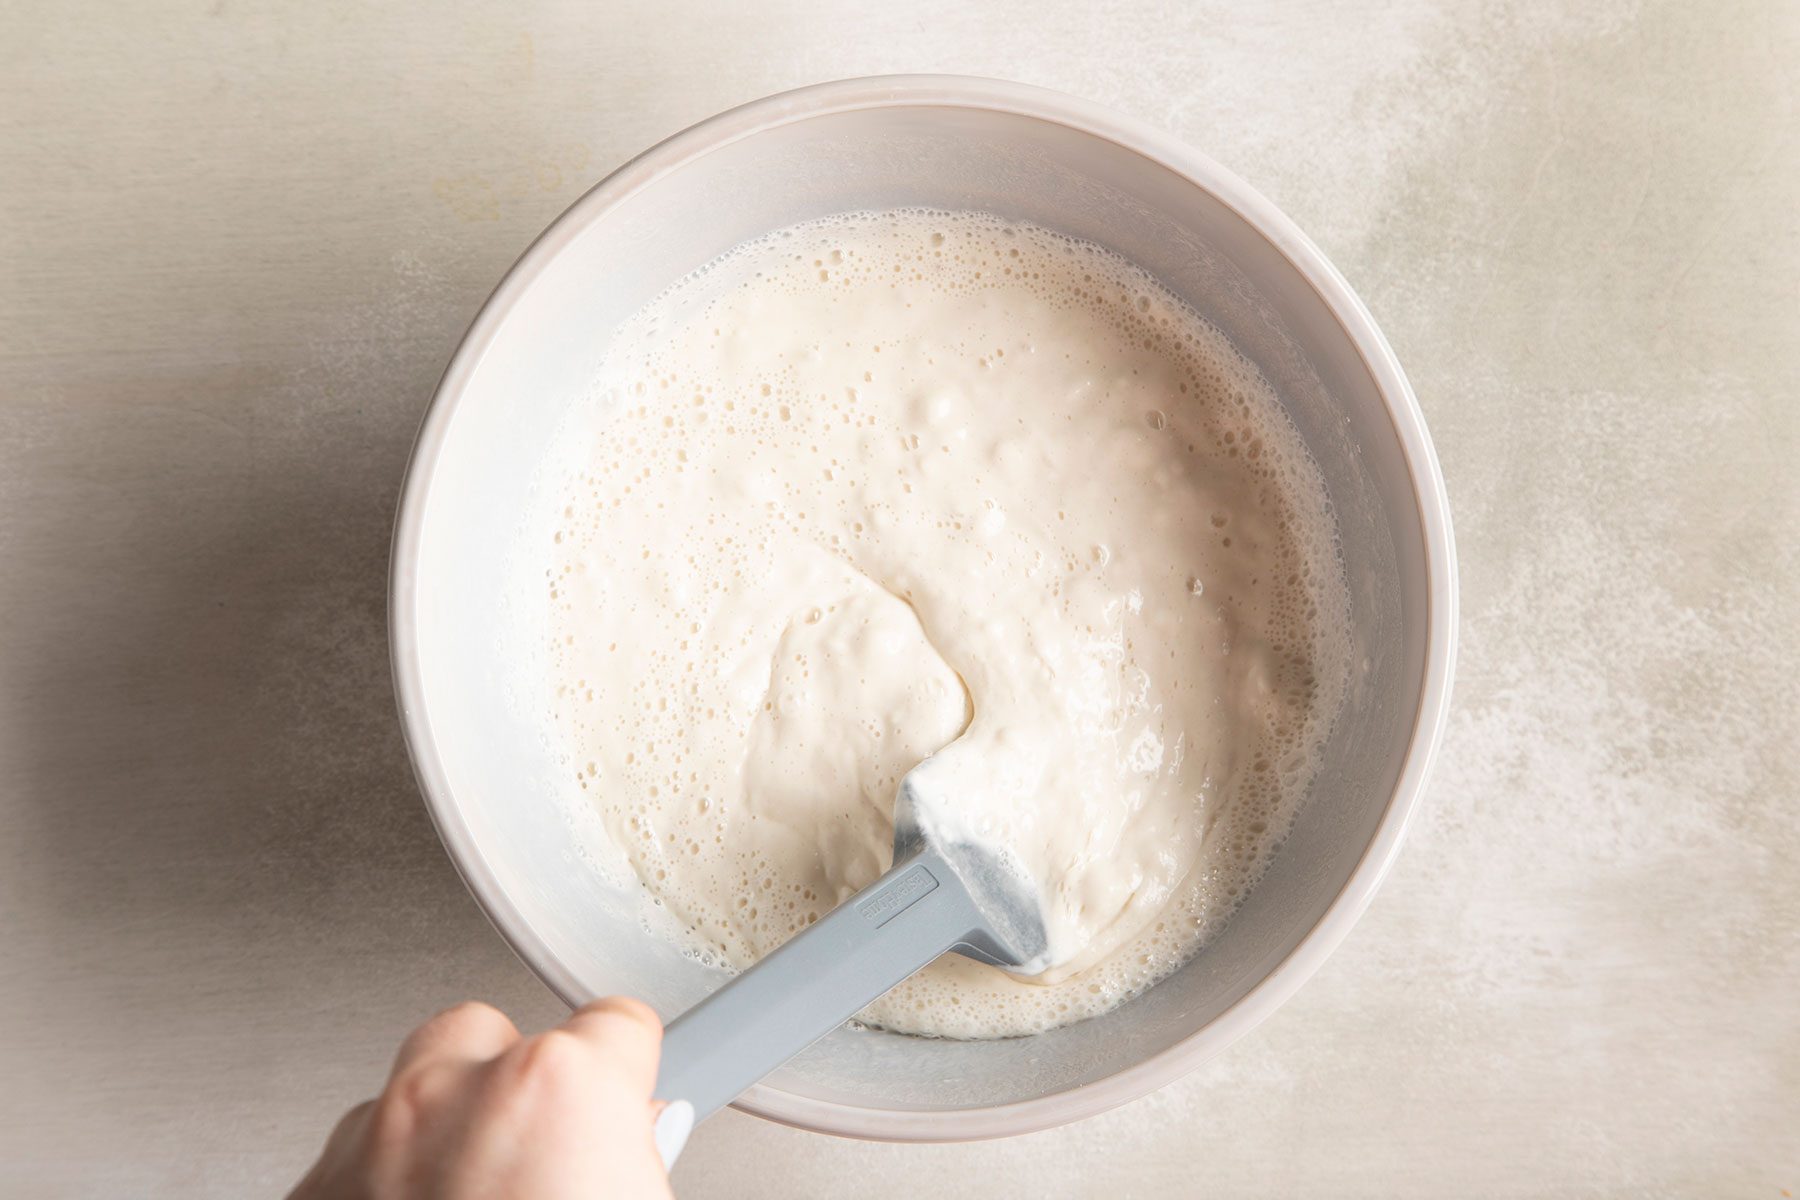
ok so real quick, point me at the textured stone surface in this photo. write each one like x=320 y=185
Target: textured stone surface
x=237 y=246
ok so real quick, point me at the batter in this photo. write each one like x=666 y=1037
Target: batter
x=915 y=483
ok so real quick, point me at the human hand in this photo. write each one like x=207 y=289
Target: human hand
x=473 y=1109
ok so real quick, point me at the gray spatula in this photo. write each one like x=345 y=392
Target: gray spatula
x=943 y=893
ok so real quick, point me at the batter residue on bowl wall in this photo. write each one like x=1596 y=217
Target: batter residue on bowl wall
x=893 y=484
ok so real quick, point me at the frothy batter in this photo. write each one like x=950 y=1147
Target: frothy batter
x=904 y=484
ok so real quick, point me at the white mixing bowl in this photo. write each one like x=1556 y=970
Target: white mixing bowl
x=487 y=768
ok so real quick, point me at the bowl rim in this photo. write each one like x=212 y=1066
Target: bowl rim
x=965 y=92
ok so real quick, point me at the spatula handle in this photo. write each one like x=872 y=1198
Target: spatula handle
x=817 y=980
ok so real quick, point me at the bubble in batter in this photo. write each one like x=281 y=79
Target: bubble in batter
x=893 y=484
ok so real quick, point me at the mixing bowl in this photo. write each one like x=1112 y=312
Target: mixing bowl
x=479 y=745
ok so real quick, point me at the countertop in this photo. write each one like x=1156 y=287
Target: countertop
x=238 y=242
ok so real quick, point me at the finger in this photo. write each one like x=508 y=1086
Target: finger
x=470 y=1032
x=626 y=1033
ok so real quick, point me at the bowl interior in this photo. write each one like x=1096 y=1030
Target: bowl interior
x=527 y=856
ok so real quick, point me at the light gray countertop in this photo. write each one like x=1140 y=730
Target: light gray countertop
x=237 y=246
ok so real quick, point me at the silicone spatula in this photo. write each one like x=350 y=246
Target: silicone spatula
x=945 y=892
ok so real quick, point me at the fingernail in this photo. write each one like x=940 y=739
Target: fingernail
x=673 y=1125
